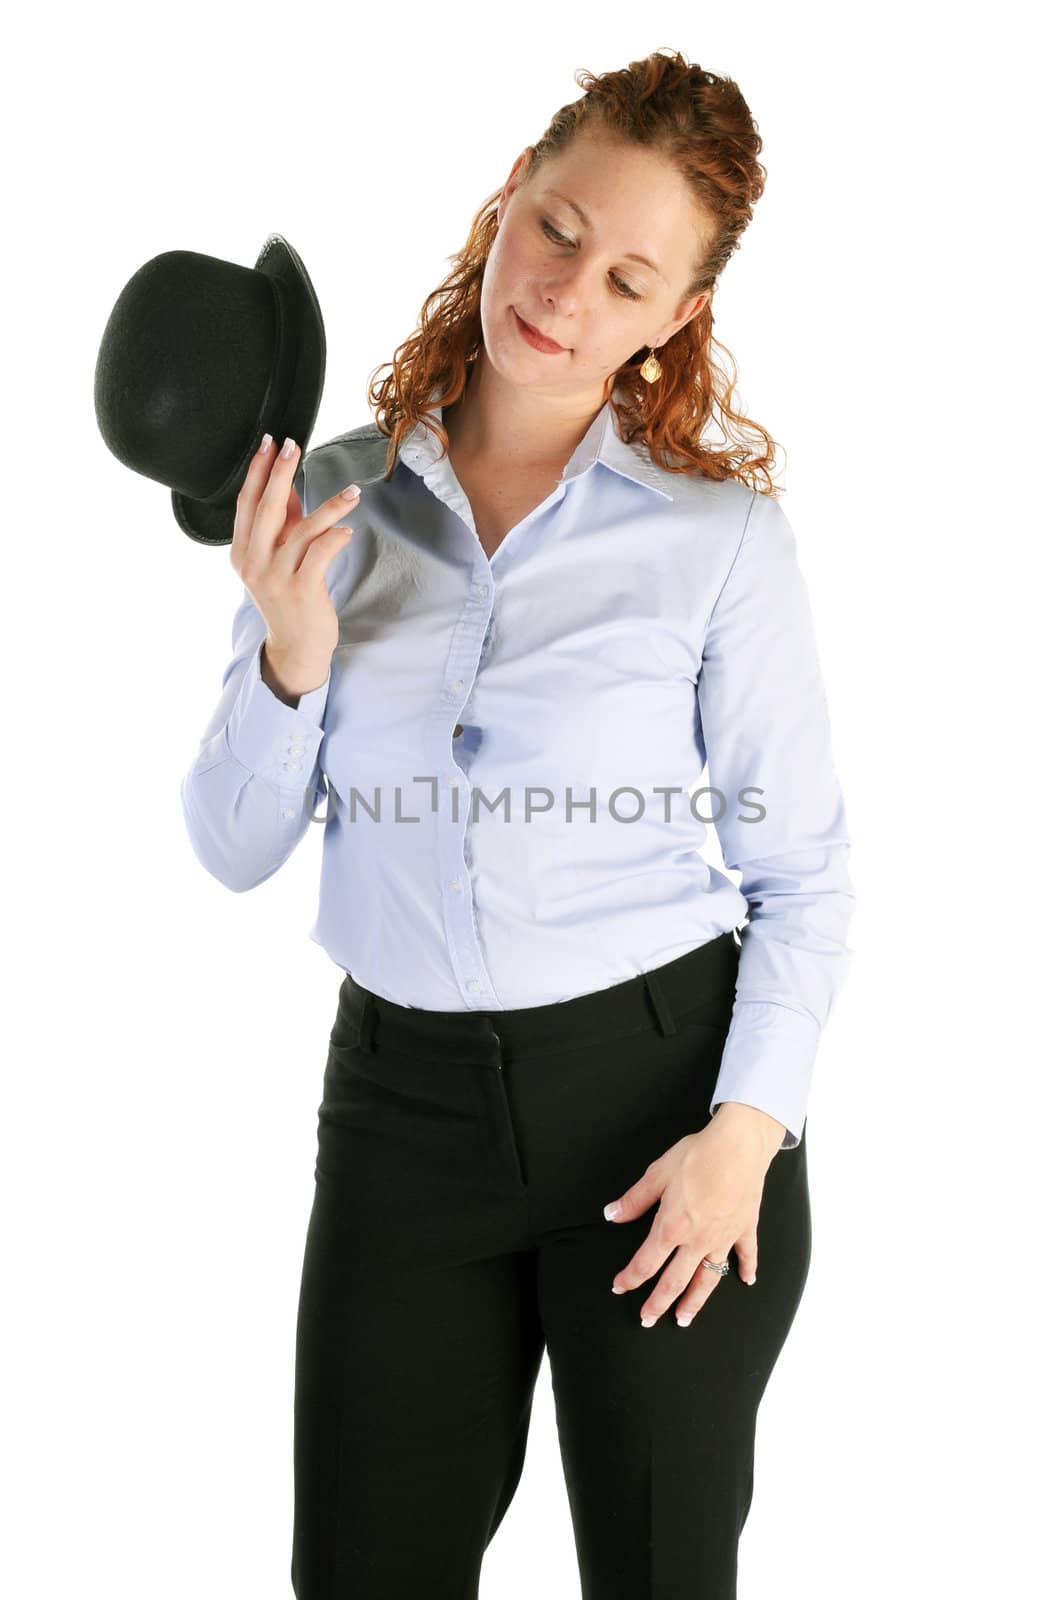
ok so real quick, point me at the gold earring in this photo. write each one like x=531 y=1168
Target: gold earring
x=651 y=368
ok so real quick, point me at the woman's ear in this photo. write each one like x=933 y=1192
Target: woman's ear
x=516 y=177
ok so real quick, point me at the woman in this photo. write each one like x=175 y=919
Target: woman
x=555 y=1070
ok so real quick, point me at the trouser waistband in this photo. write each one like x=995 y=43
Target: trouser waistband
x=703 y=980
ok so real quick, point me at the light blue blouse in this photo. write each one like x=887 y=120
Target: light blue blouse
x=513 y=750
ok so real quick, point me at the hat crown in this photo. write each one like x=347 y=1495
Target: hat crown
x=188 y=360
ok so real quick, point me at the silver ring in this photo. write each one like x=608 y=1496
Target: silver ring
x=722 y=1267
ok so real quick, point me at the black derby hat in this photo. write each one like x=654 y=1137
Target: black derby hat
x=200 y=357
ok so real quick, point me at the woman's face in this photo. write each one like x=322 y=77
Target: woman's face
x=577 y=281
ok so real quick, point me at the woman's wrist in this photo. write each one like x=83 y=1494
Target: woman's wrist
x=289 y=679
x=767 y=1128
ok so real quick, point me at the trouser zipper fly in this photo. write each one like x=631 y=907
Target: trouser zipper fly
x=507 y=1118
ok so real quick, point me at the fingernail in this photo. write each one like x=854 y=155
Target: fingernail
x=618 y=1291
x=267 y=440
x=752 y=1280
x=289 y=449
x=612 y=1210
x=351 y=491
x=683 y=1318
x=647 y=1322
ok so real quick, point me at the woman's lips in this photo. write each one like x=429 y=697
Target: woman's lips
x=549 y=347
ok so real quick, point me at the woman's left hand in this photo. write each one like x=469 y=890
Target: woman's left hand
x=709 y=1186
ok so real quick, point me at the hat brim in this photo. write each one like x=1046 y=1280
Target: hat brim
x=213 y=524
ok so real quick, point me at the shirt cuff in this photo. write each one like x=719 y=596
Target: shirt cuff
x=277 y=742
x=767 y=1062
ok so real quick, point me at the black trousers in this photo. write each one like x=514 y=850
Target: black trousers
x=456 y=1232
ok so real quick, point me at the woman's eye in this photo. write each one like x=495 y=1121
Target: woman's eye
x=558 y=238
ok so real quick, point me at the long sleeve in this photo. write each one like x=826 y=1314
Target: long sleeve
x=244 y=797
x=766 y=728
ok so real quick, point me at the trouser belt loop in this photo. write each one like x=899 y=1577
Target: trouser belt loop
x=365 y=1032
x=660 y=1004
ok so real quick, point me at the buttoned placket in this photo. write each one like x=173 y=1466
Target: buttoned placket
x=471 y=638
x=471 y=634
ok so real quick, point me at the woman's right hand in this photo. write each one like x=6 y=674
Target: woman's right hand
x=283 y=557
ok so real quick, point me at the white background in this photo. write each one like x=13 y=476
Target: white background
x=893 y=314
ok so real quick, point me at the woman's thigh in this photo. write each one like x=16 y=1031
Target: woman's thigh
x=657 y=1425
x=418 y=1341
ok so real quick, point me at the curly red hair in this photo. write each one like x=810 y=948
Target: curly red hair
x=701 y=122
